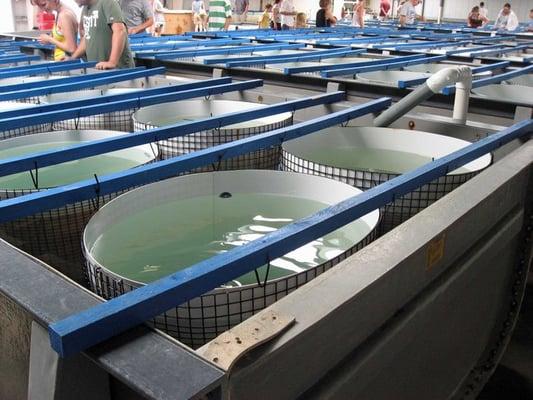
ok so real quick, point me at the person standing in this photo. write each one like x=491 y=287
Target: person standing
x=358 y=18
x=324 y=16
x=276 y=16
x=483 y=11
x=103 y=33
x=384 y=9
x=507 y=19
x=219 y=15
x=159 y=17
x=138 y=15
x=475 y=19
x=530 y=22
x=65 y=30
x=408 y=14
x=199 y=15
x=264 y=22
x=241 y=10
x=288 y=14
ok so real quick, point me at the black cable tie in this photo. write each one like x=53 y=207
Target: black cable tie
x=262 y=285
x=35 y=178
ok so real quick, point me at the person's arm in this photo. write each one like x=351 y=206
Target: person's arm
x=403 y=16
x=118 y=41
x=141 y=28
x=148 y=17
x=228 y=16
x=484 y=19
x=82 y=46
x=330 y=17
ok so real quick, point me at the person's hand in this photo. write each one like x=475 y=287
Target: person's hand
x=132 y=31
x=66 y=58
x=44 y=38
x=106 y=65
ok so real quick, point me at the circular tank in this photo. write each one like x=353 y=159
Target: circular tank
x=10 y=106
x=161 y=228
x=389 y=78
x=432 y=68
x=367 y=156
x=507 y=93
x=116 y=120
x=27 y=79
x=55 y=236
x=523 y=80
x=190 y=110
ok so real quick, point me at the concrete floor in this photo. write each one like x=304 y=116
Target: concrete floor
x=513 y=379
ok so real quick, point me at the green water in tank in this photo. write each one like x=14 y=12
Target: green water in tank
x=366 y=159
x=67 y=172
x=165 y=238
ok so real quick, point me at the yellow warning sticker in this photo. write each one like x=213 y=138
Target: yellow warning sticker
x=435 y=251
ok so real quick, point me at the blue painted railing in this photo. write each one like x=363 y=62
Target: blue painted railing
x=119 y=105
x=43 y=159
x=17 y=59
x=226 y=60
x=381 y=61
x=43 y=69
x=379 y=67
x=53 y=87
x=256 y=49
x=310 y=56
x=38 y=110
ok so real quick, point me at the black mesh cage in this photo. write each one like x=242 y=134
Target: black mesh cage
x=393 y=214
x=116 y=121
x=54 y=236
x=202 y=319
x=261 y=159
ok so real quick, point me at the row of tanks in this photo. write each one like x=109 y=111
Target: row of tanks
x=121 y=241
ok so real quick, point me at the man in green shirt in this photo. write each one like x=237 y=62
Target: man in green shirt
x=219 y=15
x=103 y=33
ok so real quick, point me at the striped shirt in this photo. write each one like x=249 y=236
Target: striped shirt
x=219 y=10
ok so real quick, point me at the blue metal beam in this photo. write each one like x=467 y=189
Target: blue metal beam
x=87 y=328
x=314 y=68
x=483 y=53
x=417 y=46
x=66 y=80
x=470 y=49
x=17 y=59
x=302 y=58
x=69 y=87
x=227 y=60
x=223 y=51
x=133 y=103
x=379 y=67
x=38 y=69
x=33 y=112
x=191 y=43
x=43 y=159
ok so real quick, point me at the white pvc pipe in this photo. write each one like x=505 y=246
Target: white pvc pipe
x=461 y=76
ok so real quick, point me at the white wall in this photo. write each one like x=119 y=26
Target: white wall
x=7 y=22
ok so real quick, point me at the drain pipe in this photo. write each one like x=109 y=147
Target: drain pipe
x=461 y=76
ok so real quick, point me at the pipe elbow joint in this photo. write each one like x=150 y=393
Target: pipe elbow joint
x=461 y=75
